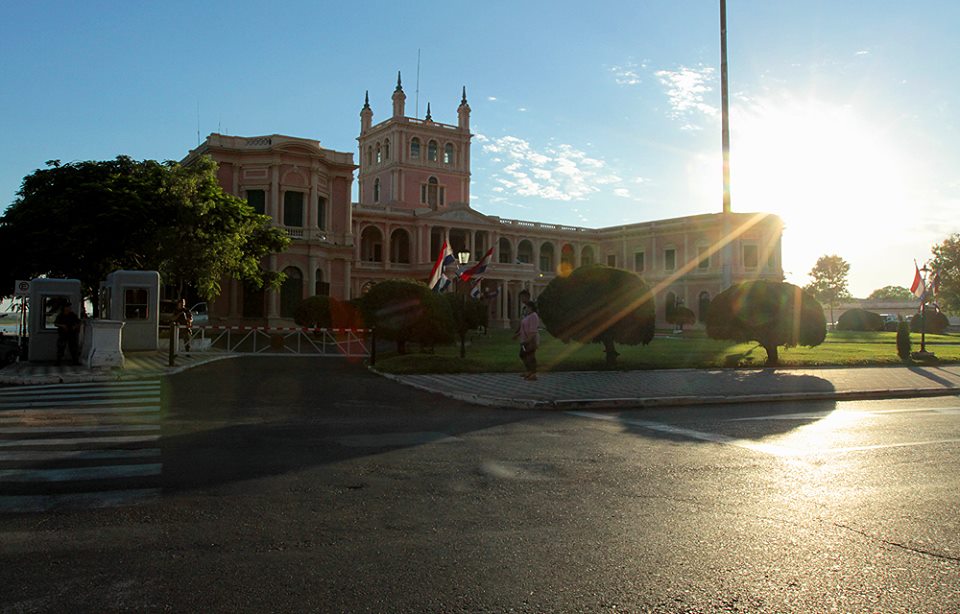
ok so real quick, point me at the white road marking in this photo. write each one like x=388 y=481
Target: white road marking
x=142 y=400
x=43 y=503
x=79 y=428
x=83 y=385
x=848 y=412
x=79 y=473
x=18 y=416
x=69 y=441
x=101 y=454
x=766 y=448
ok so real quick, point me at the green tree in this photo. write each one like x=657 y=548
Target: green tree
x=405 y=310
x=467 y=312
x=936 y=322
x=681 y=316
x=598 y=304
x=860 y=320
x=829 y=283
x=87 y=219
x=946 y=260
x=770 y=313
x=891 y=293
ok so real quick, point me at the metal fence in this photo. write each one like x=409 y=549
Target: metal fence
x=345 y=342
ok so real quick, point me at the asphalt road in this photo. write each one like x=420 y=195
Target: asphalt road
x=311 y=485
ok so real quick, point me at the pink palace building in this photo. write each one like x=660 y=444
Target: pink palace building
x=414 y=193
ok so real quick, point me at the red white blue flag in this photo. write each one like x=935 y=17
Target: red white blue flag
x=478 y=269
x=438 y=281
x=918 y=288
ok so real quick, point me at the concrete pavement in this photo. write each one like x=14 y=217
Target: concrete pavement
x=583 y=389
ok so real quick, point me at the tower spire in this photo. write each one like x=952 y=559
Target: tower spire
x=428 y=117
x=366 y=100
x=463 y=100
x=399 y=85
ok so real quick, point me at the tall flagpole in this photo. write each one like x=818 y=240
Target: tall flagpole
x=725 y=111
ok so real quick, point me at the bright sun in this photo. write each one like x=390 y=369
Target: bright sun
x=838 y=183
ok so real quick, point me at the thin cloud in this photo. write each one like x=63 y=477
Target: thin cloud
x=685 y=89
x=492 y=98
x=626 y=74
x=557 y=172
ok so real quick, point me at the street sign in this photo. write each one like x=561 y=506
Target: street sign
x=22 y=288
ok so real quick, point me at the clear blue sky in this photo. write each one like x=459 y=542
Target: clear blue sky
x=843 y=111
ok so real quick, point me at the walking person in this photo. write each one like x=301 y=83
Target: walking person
x=68 y=334
x=529 y=336
x=183 y=317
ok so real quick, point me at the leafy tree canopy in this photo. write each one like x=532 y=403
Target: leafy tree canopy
x=770 y=313
x=829 y=277
x=598 y=304
x=87 y=219
x=946 y=260
x=891 y=293
x=407 y=310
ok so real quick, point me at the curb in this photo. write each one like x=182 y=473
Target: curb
x=674 y=401
x=100 y=375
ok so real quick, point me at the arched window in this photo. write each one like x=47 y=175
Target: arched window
x=525 y=252
x=506 y=254
x=369 y=155
x=431 y=192
x=400 y=246
x=415 y=148
x=586 y=255
x=432 y=151
x=321 y=288
x=703 y=304
x=386 y=149
x=379 y=154
x=669 y=306
x=376 y=190
x=448 y=153
x=371 y=244
x=546 y=258
x=567 y=259
x=291 y=292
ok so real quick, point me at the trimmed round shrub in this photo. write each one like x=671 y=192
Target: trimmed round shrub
x=405 y=310
x=903 y=339
x=936 y=322
x=768 y=312
x=598 y=304
x=860 y=320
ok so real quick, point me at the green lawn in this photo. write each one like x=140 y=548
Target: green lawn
x=497 y=352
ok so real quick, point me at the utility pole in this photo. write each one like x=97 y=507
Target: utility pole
x=724 y=106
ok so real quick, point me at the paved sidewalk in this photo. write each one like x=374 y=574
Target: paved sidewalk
x=605 y=389
x=136 y=365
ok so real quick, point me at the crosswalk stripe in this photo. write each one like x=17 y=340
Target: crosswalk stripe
x=67 y=425
x=99 y=428
x=86 y=403
x=50 y=455
x=79 y=473
x=65 y=441
x=44 y=503
x=18 y=415
x=84 y=385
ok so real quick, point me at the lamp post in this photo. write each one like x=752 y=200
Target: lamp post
x=923 y=354
x=463 y=258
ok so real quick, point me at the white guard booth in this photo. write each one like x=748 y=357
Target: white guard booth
x=47 y=298
x=133 y=297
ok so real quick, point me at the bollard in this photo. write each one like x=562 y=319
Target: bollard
x=173 y=344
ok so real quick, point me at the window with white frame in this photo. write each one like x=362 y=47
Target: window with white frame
x=669 y=259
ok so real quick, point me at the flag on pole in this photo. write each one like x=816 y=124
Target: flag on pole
x=935 y=283
x=475 y=288
x=479 y=268
x=444 y=259
x=918 y=289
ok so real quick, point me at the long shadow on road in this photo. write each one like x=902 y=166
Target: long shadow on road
x=265 y=416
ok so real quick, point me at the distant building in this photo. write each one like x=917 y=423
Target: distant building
x=414 y=193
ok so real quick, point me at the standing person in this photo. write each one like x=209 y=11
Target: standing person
x=183 y=317
x=529 y=336
x=68 y=333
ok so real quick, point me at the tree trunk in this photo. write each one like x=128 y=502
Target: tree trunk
x=773 y=358
x=611 y=351
x=401 y=347
x=463 y=342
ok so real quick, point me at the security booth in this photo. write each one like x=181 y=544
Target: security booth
x=47 y=299
x=133 y=297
